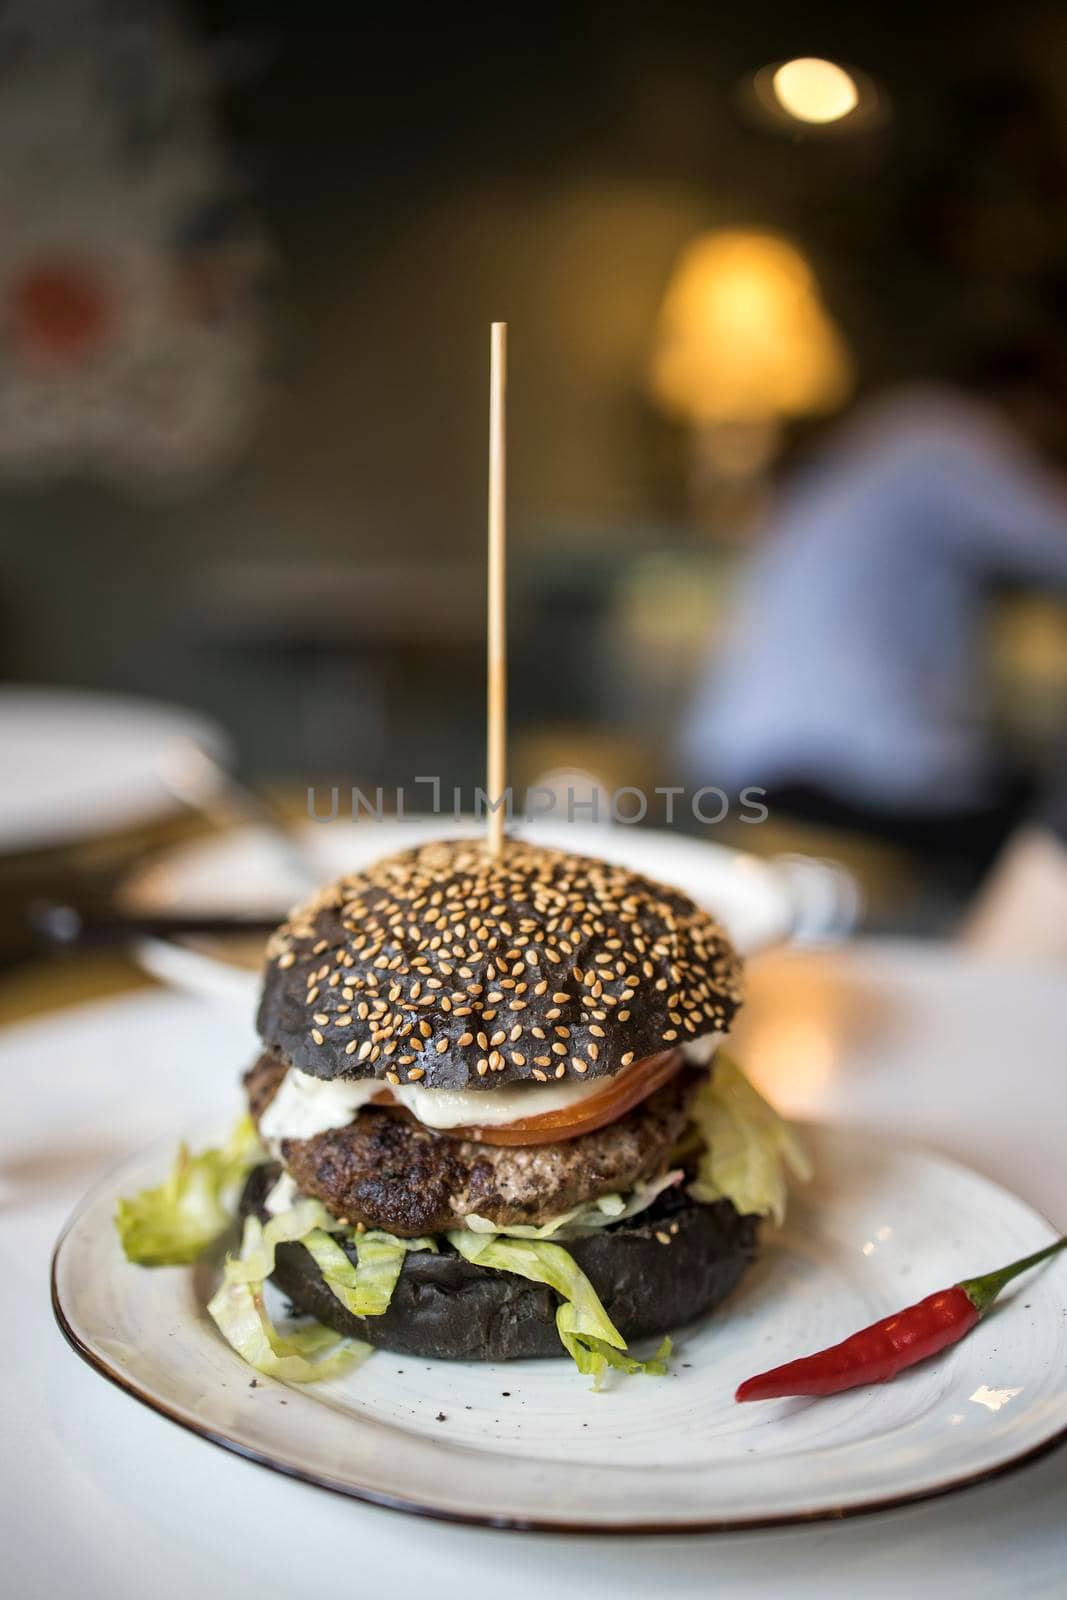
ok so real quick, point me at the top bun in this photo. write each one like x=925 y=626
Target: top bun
x=448 y=967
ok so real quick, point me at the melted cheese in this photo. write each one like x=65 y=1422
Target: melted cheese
x=305 y=1105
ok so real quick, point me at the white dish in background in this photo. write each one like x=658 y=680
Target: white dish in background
x=77 y=765
x=528 y=1445
x=247 y=873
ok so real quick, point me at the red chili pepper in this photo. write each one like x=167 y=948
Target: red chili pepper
x=887 y=1347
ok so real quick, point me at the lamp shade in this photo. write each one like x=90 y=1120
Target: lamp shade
x=743 y=335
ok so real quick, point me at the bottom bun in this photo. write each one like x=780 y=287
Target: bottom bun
x=446 y=1307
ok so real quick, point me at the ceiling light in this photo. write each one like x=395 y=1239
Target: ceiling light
x=813 y=90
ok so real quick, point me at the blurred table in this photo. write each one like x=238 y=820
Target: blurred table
x=99 y=1496
x=35 y=987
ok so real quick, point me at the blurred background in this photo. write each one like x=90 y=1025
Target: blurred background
x=787 y=409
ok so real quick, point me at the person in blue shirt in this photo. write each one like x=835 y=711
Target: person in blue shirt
x=853 y=685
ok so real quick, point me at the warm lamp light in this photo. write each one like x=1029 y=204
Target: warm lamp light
x=813 y=90
x=744 y=343
x=743 y=335
x=809 y=96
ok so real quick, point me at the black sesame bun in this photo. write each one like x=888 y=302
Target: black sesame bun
x=451 y=968
x=653 y=1273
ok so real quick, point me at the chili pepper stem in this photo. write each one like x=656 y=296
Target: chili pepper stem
x=981 y=1292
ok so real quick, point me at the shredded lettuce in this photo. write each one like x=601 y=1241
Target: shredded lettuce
x=585 y=1329
x=365 y=1289
x=748 y=1147
x=542 y=1262
x=261 y=1240
x=587 y=1218
x=173 y=1224
x=594 y=1356
x=240 y=1314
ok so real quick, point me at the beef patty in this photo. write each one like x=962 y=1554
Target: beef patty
x=386 y=1170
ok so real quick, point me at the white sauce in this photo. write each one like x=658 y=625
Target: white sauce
x=305 y=1105
x=698 y=1052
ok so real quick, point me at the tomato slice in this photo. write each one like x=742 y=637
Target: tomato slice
x=619 y=1094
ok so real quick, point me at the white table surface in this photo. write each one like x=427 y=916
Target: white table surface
x=101 y=1497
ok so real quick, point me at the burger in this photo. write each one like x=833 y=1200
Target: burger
x=492 y=1119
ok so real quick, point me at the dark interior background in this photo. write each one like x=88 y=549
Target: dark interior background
x=422 y=169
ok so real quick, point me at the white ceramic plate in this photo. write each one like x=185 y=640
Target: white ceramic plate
x=78 y=765
x=528 y=1445
x=761 y=903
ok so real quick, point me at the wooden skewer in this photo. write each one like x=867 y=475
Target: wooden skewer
x=497 y=698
